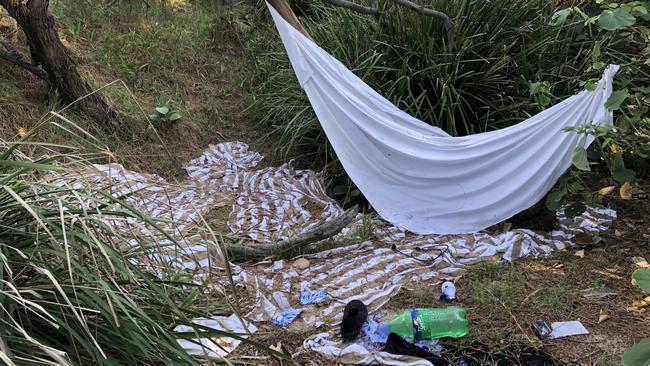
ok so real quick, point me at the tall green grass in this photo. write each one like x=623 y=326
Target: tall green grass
x=70 y=291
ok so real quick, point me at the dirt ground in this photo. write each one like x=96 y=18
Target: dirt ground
x=503 y=300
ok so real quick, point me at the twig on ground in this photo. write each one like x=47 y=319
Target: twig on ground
x=513 y=318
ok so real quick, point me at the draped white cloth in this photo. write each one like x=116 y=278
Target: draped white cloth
x=420 y=178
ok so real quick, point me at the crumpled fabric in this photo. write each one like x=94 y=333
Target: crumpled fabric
x=354 y=353
x=313 y=297
x=286 y=317
x=420 y=178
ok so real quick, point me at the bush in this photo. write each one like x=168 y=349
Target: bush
x=618 y=32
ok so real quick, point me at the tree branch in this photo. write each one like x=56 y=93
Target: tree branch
x=283 y=8
x=318 y=233
x=12 y=55
x=373 y=10
x=444 y=18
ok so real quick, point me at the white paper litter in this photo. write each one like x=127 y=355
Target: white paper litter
x=567 y=329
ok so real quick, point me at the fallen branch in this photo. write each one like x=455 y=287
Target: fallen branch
x=444 y=18
x=318 y=233
x=283 y=8
x=12 y=55
x=285 y=11
x=371 y=10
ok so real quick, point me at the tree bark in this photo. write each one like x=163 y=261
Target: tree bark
x=48 y=53
x=289 y=246
x=283 y=8
x=12 y=55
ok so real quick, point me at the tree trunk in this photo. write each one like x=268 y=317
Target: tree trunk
x=49 y=53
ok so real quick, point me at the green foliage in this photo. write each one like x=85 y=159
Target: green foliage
x=580 y=159
x=615 y=20
x=616 y=99
x=617 y=28
x=638 y=355
x=641 y=278
x=70 y=292
x=541 y=92
x=165 y=114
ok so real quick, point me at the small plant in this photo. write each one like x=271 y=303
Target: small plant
x=639 y=354
x=165 y=114
x=541 y=93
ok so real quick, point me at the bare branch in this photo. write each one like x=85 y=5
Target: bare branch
x=283 y=8
x=12 y=55
x=373 y=10
x=318 y=233
x=444 y=18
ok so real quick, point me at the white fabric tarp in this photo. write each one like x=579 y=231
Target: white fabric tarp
x=422 y=179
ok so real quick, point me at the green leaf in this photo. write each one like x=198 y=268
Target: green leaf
x=554 y=199
x=174 y=117
x=162 y=110
x=154 y=117
x=638 y=355
x=616 y=162
x=575 y=209
x=560 y=16
x=614 y=101
x=535 y=88
x=598 y=65
x=623 y=175
x=590 y=86
x=596 y=52
x=580 y=159
x=28 y=165
x=340 y=190
x=639 y=10
x=615 y=20
x=544 y=100
x=641 y=278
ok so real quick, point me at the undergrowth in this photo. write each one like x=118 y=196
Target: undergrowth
x=71 y=289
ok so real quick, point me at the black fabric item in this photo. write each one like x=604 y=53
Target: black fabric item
x=354 y=316
x=399 y=346
x=516 y=354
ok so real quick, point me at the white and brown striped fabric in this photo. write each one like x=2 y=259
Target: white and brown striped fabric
x=274 y=203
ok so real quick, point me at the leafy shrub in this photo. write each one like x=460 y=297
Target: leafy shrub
x=618 y=32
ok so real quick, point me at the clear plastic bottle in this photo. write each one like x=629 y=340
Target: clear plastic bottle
x=427 y=323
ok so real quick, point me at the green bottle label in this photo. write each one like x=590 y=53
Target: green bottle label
x=417 y=326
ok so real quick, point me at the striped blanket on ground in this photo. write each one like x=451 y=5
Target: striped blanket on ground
x=275 y=203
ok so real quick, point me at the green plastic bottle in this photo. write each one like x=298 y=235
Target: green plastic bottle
x=418 y=324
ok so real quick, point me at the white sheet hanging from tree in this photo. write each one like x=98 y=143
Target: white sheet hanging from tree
x=419 y=177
